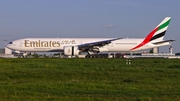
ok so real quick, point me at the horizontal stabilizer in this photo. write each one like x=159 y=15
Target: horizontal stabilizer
x=161 y=42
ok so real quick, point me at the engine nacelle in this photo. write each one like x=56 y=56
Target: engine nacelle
x=97 y=50
x=71 y=50
x=101 y=49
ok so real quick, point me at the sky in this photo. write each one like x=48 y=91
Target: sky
x=87 y=18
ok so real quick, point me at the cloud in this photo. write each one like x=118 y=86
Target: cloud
x=109 y=26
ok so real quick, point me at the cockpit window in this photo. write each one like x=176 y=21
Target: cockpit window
x=10 y=42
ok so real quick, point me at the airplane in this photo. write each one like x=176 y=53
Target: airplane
x=76 y=46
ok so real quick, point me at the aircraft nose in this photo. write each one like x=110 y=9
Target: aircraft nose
x=10 y=45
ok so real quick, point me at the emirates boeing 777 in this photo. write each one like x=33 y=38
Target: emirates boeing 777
x=75 y=46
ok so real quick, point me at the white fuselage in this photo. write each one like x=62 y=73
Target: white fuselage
x=74 y=46
x=58 y=44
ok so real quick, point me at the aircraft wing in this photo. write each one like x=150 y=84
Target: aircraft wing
x=98 y=43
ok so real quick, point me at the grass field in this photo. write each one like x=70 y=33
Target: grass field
x=89 y=79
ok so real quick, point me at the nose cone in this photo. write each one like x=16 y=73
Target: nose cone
x=10 y=45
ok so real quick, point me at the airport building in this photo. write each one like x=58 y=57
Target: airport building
x=2 y=50
x=6 y=53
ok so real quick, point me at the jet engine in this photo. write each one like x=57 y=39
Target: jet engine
x=96 y=50
x=71 y=50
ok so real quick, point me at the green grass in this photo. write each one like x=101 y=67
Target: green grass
x=89 y=79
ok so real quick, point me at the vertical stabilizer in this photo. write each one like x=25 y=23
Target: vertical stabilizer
x=157 y=34
x=160 y=30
